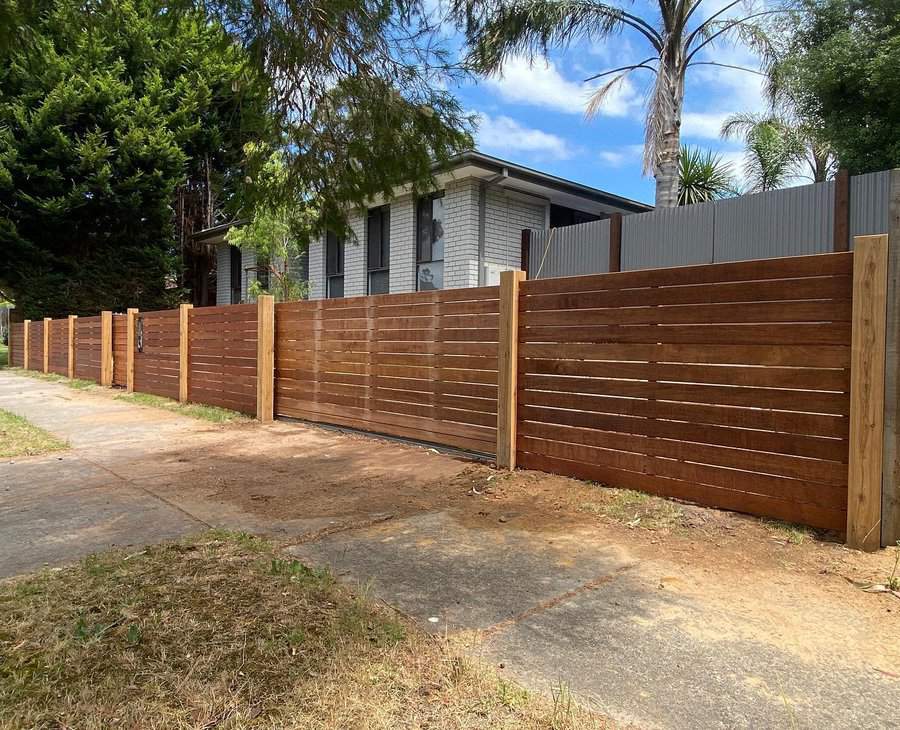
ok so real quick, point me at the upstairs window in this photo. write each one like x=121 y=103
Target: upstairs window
x=430 y=243
x=334 y=266
x=378 y=233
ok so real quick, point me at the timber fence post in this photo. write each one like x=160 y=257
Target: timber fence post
x=106 y=350
x=265 y=358
x=26 y=343
x=868 y=321
x=183 y=351
x=70 y=370
x=130 y=318
x=507 y=367
x=47 y=324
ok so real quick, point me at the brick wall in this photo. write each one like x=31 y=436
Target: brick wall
x=506 y=214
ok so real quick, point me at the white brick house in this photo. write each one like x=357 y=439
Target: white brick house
x=462 y=235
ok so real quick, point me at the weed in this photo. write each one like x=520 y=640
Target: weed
x=893 y=581
x=214 y=414
x=794 y=534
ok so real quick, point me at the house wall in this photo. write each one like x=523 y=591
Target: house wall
x=223 y=272
x=506 y=214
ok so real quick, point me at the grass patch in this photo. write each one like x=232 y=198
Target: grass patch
x=20 y=438
x=794 y=534
x=74 y=383
x=634 y=508
x=194 y=410
x=4 y=355
x=221 y=631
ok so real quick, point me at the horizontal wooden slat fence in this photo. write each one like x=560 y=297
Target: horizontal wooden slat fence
x=36 y=345
x=724 y=384
x=421 y=366
x=156 y=357
x=17 y=344
x=59 y=346
x=88 y=348
x=120 y=349
x=222 y=346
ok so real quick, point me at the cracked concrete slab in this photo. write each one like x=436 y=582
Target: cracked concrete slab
x=433 y=568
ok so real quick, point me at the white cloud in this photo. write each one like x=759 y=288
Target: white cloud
x=621 y=156
x=705 y=125
x=541 y=84
x=504 y=135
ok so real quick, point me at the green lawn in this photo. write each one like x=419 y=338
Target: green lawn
x=4 y=355
x=222 y=631
x=194 y=410
x=19 y=438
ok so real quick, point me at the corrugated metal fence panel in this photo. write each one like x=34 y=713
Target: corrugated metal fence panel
x=668 y=237
x=789 y=222
x=578 y=249
x=869 y=203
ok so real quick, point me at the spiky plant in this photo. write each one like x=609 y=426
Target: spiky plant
x=499 y=29
x=703 y=176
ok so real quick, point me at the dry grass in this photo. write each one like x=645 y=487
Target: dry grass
x=220 y=632
x=20 y=438
x=74 y=383
x=194 y=410
x=635 y=509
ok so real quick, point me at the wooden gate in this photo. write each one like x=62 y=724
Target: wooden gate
x=421 y=366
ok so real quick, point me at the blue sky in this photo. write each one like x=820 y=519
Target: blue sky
x=534 y=115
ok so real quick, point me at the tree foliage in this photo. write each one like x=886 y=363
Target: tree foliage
x=360 y=95
x=842 y=67
x=703 y=176
x=678 y=33
x=279 y=233
x=104 y=110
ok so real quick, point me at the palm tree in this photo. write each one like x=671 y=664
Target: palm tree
x=779 y=150
x=703 y=176
x=498 y=29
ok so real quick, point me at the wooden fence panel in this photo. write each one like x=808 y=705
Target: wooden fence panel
x=724 y=384
x=156 y=356
x=17 y=344
x=222 y=344
x=36 y=345
x=59 y=347
x=420 y=366
x=88 y=348
x=120 y=349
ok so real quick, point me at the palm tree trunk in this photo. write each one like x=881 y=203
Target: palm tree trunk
x=669 y=145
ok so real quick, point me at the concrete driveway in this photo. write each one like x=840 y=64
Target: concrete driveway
x=720 y=624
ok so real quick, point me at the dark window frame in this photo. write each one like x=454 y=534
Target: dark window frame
x=334 y=265
x=378 y=221
x=425 y=249
x=236 y=273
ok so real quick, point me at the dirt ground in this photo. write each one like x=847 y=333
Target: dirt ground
x=552 y=578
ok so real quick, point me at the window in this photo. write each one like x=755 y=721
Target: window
x=378 y=234
x=262 y=272
x=334 y=266
x=430 y=243
x=236 y=272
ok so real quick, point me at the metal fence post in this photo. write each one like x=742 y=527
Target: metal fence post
x=890 y=478
x=870 y=258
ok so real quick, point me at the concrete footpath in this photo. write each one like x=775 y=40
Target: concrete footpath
x=655 y=631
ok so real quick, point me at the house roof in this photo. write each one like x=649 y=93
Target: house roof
x=537 y=181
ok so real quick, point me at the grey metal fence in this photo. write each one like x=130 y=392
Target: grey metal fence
x=789 y=222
